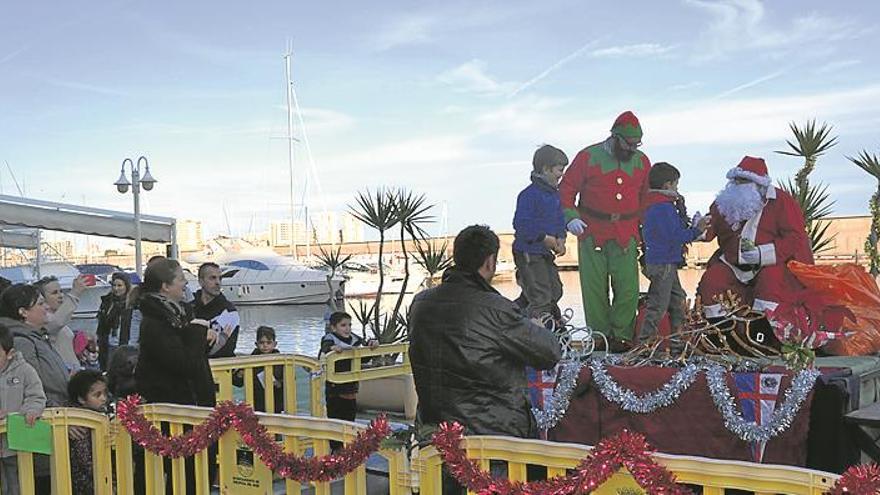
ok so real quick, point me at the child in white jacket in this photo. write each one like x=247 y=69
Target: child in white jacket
x=21 y=391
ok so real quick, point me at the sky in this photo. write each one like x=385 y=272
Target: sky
x=447 y=99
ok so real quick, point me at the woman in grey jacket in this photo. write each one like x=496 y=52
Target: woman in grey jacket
x=23 y=311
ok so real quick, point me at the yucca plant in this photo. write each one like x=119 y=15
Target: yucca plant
x=332 y=261
x=816 y=205
x=871 y=163
x=412 y=213
x=363 y=314
x=811 y=142
x=433 y=259
x=379 y=211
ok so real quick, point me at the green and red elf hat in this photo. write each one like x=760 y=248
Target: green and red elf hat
x=627 y=126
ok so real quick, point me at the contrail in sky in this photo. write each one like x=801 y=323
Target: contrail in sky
x=577 y=53
x=749 y=84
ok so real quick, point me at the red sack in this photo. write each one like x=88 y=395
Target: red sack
x=849 y=285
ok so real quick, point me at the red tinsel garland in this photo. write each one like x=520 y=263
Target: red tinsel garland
x=858 y=480
x=624 y=449
x=241 y=417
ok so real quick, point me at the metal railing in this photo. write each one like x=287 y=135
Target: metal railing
x=714 y=476
x=241 y=470
x=384 y=361
x=223 y=370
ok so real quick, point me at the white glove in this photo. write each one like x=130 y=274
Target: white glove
x=750 y=257
x=576 y=226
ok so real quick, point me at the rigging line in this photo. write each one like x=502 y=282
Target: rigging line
x=305 y=136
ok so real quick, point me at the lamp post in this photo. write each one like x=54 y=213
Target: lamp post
x=137 y=181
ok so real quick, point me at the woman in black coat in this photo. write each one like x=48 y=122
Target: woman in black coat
x=172 y=363
x=114 y=318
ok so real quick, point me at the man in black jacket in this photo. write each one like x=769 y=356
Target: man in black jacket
x=469 y=346
x=211 y=305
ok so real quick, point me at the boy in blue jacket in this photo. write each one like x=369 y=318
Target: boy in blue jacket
x=539 y=234
x=665 y=231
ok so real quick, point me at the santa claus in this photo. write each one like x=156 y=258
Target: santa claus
x=759 y=228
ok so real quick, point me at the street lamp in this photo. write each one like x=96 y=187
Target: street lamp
x=122 y=184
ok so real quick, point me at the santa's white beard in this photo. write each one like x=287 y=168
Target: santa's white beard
x=739 y=202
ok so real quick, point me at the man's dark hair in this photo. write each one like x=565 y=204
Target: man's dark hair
x=16 y=297
x=661 y=173
x=80 y=383
x=472 y=246
x=5 y=338
x=4 y=284
x=548 y=157
x=264 y=331
x=338 y=316
x=156 y=257
x=205 y=266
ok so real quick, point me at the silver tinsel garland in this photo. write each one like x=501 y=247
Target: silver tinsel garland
x=555 y=409
x=628 y=400
x=782 y=417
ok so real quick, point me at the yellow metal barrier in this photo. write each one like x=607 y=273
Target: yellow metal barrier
x=241 y=472
x=59 y=462
x=376 y=369
x=714 y=476
x=223 y=369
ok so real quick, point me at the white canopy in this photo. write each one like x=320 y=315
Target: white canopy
x=19 y=216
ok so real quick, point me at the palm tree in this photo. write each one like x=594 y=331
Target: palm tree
x=433 y=259
x=333 y=261
x=811 y=143
x=871 y=163
x=379 y=212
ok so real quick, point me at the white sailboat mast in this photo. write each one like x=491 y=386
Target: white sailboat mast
x=290 y=139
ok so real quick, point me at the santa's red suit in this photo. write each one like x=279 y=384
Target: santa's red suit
x=754 y=247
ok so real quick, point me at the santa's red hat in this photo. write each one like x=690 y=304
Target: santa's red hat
x=753 y=169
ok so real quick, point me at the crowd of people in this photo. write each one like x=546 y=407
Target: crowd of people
x=469 y=346
x=150 y=339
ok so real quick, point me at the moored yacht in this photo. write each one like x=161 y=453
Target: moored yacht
x=253 y=275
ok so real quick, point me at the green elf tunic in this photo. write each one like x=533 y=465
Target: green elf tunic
x=608 y=195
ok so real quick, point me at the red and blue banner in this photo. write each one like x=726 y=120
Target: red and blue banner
x=757 y=394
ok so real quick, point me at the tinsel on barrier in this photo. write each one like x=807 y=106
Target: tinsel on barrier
x=783 y=416
x=858 y=480
x=242 y=417
x=629 y=401
x=625 y=449
x=555 y=409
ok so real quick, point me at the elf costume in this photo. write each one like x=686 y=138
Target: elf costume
x=608 y=193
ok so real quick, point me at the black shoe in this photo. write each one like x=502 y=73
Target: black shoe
x=619 y=346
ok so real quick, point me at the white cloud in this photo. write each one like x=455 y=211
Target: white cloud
x=326 y=121
x=744 y=120
x=438 y=149
x=638 y=50
x=738 y=25
x=404 y=31
x=472 y=77
x=686 y=86
x=837 y=66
